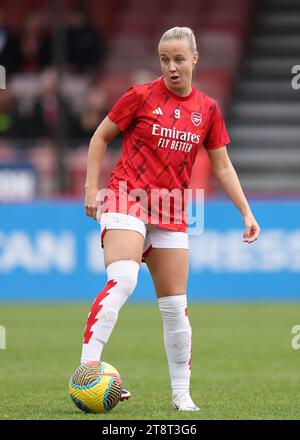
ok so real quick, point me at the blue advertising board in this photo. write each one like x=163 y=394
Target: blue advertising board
x=50 y=251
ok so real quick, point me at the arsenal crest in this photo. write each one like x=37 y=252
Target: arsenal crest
x=196 y=118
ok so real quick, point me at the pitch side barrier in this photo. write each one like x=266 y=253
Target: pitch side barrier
x=50 y=251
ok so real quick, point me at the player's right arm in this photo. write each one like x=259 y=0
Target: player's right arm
x=105 y=132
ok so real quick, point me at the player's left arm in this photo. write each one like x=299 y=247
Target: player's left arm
x=228 y=179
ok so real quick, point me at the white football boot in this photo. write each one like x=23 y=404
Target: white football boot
x=125 y=395
x=183 y=402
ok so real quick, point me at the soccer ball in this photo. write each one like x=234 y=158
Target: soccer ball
x=95 y=387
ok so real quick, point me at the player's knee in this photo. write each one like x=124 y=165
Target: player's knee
x=125 y=274
x=178 y=345
x=125 y=284
x=128 y=283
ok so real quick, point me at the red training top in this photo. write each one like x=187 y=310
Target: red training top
x=163 y=133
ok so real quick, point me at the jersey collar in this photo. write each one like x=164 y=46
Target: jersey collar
x=173 y=95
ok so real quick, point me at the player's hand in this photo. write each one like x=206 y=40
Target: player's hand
x=91 y=205
x=252 y=229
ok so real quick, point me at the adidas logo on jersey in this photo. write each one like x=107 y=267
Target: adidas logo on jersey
x=158 y=111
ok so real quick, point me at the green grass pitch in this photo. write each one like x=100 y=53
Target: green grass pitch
x=243 y=365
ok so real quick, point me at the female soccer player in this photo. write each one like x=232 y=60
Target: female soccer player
x=164 y=124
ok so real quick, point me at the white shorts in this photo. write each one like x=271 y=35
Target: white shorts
x=154 y=237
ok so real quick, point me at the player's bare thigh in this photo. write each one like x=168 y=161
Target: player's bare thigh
x=122 y=244
x=169 y=271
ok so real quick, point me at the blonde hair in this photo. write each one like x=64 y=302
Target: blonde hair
x=180 y=33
